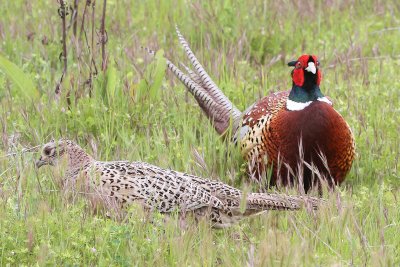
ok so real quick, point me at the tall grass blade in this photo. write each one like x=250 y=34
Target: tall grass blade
x=111 y=76
x=159 y=73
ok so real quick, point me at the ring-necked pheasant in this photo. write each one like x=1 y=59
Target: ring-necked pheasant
x=297 y=133
x=165 y=190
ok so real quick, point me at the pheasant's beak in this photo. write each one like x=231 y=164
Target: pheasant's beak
x=39 y=163
x=311 y=68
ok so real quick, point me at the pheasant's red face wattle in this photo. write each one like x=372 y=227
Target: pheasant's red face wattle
x=300 y=65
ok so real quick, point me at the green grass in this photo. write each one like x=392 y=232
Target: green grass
x=136 y=112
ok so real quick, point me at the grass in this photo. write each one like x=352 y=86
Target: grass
x=136 y=111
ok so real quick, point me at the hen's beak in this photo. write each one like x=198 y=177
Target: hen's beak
x=311 y=68
x=39 y=163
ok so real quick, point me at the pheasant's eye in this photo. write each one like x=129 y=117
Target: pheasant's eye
x=317 y=63
x=47 y=151
x=298 y=65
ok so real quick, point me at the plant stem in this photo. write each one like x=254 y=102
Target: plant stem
x=75 y=22
x=103 y=38
x=63 y=13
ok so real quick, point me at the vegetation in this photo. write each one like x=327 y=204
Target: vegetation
x=135 y=110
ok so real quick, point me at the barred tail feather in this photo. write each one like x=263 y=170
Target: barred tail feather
x=263 y=201
x=214 y=111
x=257 y=203
x=208 y=84
x=193 y=76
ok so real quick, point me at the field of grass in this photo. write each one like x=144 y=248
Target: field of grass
x=135 y=110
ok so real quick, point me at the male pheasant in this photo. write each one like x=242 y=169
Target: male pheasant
x=296 y=133
x=165 y=190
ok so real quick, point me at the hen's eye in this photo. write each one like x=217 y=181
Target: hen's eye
x=47 y=151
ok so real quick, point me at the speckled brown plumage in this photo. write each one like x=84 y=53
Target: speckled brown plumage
x=297 y=133
x=165 y=190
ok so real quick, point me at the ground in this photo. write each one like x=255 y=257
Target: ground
x=134 y=110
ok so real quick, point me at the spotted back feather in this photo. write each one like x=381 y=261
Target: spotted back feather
x=256 y=120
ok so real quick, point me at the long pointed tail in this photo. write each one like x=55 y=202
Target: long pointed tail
x=206 y=82
x=206 y=102
x=210 y=98
x=258 y=202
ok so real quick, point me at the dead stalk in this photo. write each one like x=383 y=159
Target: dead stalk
x=75 y=17
x=83 y=17
x=63 y=12
x=103 y=38
x=92 y=51
x=64 y=29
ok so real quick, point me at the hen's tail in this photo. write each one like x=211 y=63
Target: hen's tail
x=257 y=202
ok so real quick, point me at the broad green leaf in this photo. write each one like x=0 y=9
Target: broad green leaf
x=24 y=83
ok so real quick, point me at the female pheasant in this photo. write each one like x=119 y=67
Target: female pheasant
x=296 y=133
x=164 y=190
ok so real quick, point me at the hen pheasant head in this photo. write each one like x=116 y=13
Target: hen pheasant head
x=54 y=151
x=51 y=152
x=306 y=71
